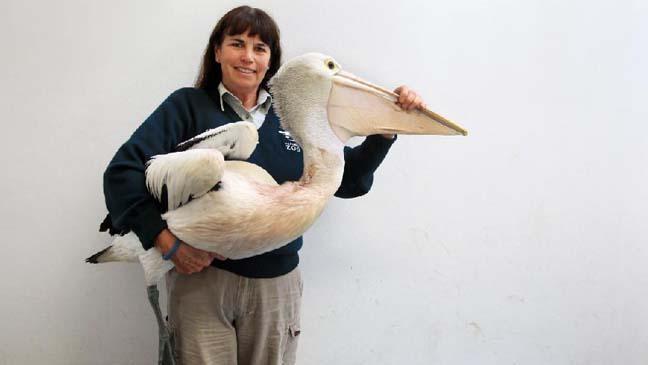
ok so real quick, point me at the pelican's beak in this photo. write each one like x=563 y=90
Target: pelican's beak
x=359 y=108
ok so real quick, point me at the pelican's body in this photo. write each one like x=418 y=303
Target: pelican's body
x=254 y=213
x=238 y=210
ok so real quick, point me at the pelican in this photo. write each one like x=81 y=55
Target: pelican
x=230 y=207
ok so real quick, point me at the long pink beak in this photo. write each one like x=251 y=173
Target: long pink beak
x=359 y=108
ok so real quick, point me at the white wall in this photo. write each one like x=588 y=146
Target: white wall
x=519 y=244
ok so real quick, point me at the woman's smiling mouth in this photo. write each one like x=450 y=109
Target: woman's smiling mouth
x=245 y=70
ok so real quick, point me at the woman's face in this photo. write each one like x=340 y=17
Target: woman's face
x=244 y=61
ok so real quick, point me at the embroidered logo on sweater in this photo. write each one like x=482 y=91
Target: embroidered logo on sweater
x=290 y=143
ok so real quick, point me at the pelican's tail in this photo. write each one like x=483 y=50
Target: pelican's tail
x=98 y=257
x=126 y=248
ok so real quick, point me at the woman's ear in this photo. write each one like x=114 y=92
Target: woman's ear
x=217 y=54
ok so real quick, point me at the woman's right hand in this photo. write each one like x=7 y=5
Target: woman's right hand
x=187 y=259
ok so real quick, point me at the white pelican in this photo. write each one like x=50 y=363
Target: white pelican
x=235 y=207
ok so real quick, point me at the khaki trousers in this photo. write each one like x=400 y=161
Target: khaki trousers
x=220 y=318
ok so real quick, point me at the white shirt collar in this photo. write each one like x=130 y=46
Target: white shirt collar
x=264 y=100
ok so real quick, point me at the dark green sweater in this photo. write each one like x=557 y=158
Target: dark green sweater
x=188 y=112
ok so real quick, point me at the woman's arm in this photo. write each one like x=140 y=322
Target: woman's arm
x=129 y=203
x=360 y=163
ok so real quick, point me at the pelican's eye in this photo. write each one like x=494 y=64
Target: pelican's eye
x=330 y=64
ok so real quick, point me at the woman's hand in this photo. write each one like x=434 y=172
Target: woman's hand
x=187 y=259
x=408 y=99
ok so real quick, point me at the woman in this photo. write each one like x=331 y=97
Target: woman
x=230 y=311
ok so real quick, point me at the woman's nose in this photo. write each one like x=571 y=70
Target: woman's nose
x=248 y=55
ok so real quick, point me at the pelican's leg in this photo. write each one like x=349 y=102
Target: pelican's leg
x=188 y=174
x=166 y=342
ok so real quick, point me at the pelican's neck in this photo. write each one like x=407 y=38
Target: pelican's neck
x=323 y=169
x=323 y=151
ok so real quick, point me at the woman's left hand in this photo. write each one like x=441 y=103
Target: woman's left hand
x=408 y=100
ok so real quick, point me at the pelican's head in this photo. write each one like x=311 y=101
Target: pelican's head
x=314 y=85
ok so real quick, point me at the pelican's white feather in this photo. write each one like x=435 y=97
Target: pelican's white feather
x=126 y=248
x=186 y=174
x=154 y=265
x=236 y=141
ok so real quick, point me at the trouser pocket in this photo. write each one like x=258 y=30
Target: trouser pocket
x=290 y=350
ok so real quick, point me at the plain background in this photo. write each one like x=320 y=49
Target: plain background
x=523 y=243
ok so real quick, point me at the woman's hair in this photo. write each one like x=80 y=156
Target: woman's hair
x=237 y=21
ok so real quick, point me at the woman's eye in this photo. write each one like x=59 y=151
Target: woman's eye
x=261 y=49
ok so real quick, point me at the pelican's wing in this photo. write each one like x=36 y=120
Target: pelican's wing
x=198 y=164
x=236 y=141
x=185 y=175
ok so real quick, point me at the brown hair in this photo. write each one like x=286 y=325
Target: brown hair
x=237 y=21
